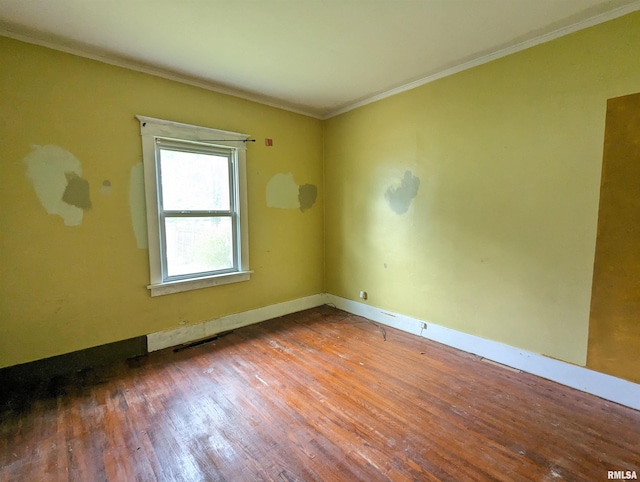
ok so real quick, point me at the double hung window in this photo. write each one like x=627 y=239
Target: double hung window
x=196 y=205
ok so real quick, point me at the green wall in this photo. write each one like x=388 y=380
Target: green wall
x=64 y=288
x=499 y=240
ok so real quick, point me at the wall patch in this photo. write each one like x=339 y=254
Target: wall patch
x=138 y=206
x=56 y=176
x=307 y=194
x=284 y=193
x=106 y=187
x=399 y=198
x=77 y=191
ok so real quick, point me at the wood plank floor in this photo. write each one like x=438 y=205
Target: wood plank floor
x=317 y=395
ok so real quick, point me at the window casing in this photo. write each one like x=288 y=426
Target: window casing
x=195 y=188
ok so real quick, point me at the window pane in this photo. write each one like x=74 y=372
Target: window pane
x=197 y=245
x=193 y=181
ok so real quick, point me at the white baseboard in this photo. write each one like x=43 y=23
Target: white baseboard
x=186 y=334
x=589 y=381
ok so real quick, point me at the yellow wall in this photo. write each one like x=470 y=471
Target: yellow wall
x=499 y=240
x=64 y=288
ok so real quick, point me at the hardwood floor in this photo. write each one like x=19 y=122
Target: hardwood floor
x=317 y=395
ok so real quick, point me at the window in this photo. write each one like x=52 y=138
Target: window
x=196 y=205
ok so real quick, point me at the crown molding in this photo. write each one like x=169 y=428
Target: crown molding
x=155 y=71
x=323 y=114
x=561 y=32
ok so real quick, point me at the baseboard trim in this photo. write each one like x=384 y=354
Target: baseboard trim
x=604 y=386
x=186 y=334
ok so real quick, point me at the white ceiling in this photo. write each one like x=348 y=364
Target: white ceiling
x=318 y=57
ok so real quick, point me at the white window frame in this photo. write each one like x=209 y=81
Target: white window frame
x=153 y=130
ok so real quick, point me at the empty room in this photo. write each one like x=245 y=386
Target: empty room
x=319 y=240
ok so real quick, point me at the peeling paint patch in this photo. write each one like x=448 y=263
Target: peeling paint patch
x=399 y=198
x=307 y=194
x=49 y=168
x=137 y=206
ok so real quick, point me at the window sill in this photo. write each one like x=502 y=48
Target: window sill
x=198 y=283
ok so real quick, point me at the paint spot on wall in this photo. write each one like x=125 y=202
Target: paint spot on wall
x=137 y=206
x=51 y=170
x=77 y=191
x=106 y=187
x=399 y=198
x=284 y=193
x=307 y=194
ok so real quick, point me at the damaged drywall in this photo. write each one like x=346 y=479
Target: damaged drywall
x=56 y=176
x=284 y=193
x=399 y=198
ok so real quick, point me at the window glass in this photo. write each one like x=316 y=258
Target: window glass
x=194 y=181
x=198 y=244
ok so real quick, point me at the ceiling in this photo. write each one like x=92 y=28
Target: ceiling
x=317 y=57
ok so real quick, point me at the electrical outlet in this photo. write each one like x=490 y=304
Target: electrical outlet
x=363 y=295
